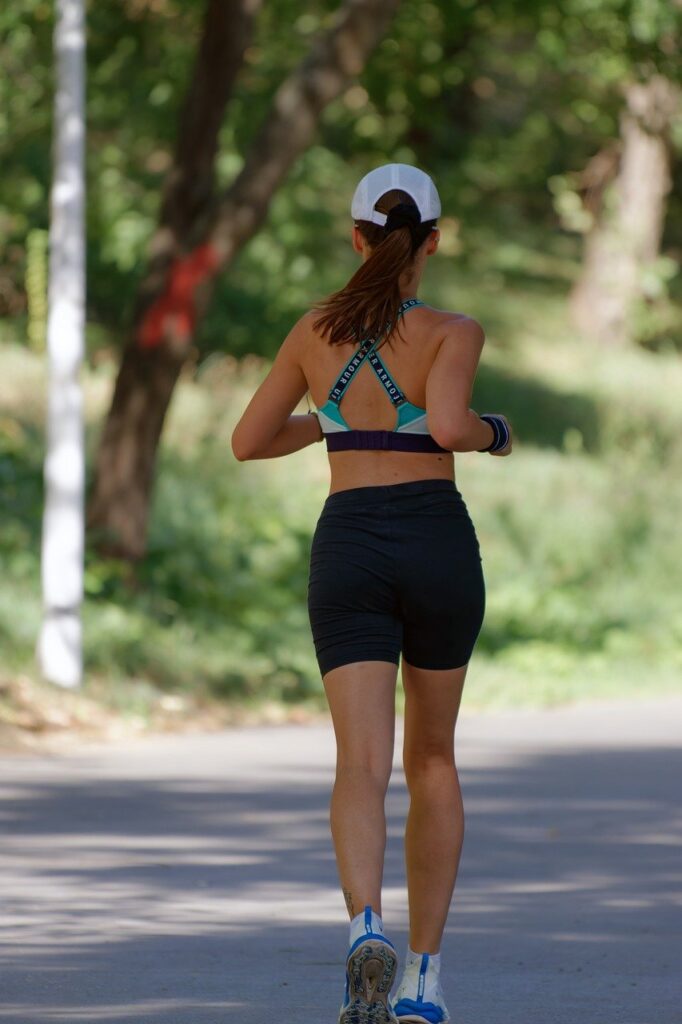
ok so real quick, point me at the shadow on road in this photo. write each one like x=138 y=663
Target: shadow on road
x=211 y=899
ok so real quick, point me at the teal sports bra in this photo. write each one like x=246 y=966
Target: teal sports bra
x=411 y=433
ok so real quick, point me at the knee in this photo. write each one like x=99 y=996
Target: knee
x=366 y=771
x=425 y=763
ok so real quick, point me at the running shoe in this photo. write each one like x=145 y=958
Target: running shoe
x=370 y=971
x=419 y=999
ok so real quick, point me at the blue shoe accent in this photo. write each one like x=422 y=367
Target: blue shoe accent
x=416 y=1010
x=422 y=976
x=370 y=935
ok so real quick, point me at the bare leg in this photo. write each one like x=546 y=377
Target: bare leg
x=435 y=823
x=362 y=702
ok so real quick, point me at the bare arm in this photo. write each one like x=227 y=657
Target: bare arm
x=299 y=431
x=267 y=429
x=449 y=386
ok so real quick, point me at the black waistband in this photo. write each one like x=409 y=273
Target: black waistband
x=383 y=492
x=386 y=440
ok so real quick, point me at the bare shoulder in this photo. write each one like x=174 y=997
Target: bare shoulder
x=305 y=326
x=298 y=338
x=456 y=328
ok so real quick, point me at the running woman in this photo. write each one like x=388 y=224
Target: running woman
x=395 y=568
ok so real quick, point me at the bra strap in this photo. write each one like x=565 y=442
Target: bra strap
x=345 y=377
x=392 y=389
x=396 y=396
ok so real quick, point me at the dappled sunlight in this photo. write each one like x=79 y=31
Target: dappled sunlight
x=139 y=1010
x=121 y=876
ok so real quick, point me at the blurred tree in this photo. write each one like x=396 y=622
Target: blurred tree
x=200 y=234
x=628 y=187
x=495 y=99
x=618 y=200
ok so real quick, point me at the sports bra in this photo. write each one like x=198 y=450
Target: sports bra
x=411 y=433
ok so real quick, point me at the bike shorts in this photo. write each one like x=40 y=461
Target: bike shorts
x=395 y=569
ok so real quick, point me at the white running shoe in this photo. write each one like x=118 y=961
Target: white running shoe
x=419 y=999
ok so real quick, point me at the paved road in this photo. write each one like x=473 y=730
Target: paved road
x=190 y=880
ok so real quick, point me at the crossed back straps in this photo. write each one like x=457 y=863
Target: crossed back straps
x=366 y=351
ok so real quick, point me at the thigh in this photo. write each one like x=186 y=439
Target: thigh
x=352 y=603
x=361 y=699
x=442 y=589
x=432 y=701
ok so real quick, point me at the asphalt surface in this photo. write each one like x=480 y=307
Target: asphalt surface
x=190 y=880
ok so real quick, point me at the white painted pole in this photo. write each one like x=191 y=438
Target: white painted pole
x=60 y=642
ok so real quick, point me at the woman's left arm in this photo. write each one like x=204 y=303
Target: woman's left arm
x=267 y=428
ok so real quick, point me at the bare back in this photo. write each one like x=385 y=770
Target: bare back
x=366 y=405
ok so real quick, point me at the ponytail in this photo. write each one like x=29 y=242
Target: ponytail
x=370 y=301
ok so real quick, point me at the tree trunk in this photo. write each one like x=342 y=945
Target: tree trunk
x=628 y=223
x=157 y=348
x=177 y=290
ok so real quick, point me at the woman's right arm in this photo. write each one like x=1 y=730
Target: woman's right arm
x=449 y=387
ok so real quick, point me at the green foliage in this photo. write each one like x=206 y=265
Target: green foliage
x=496 y=100
x=503 y=103
x=578 y=530
x=36 y=288
x=234 y=588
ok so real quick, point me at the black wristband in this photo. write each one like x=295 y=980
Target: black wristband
x=500 y=431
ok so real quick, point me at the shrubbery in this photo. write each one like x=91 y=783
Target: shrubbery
x=579 y=530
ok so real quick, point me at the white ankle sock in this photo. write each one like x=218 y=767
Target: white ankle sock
x=416 y=958
x=364 y=923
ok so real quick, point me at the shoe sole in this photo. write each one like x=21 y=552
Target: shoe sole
x=371 y=972
x=414 y=1019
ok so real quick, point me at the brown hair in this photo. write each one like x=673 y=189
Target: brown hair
x=371 y=299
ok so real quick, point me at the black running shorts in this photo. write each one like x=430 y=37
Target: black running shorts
x=395 y=568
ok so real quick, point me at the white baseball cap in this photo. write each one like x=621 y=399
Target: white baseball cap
x=382 y=179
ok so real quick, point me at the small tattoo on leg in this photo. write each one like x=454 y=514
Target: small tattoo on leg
x=348 y=897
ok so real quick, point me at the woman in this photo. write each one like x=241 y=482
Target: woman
x=395 y=567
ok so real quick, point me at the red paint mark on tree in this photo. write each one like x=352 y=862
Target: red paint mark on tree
x=177 y=301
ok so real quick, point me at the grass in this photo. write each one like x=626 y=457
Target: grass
x=579 y=530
